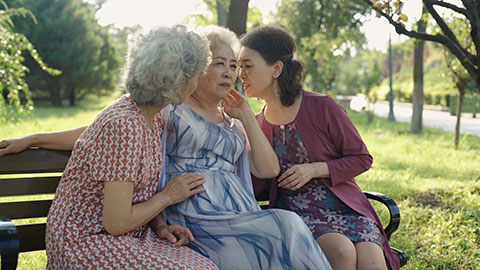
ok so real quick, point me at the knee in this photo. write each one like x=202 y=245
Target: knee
x=373 y=263
x=371 y=266
x=344 y=253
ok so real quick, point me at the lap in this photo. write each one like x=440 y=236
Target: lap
x=127 y=252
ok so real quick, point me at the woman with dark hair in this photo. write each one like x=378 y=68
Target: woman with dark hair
x=320 y=152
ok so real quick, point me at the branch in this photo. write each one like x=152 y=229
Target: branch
x=473 y=8
x=453 y=45
x=450 y=6
x=446 y=30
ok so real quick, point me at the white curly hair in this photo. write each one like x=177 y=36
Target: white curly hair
x=162 y=61
x=217 y=35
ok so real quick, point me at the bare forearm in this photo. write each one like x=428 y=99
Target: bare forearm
x=263 y=160
x=144 y=212
x=134 y=216
x=62 y=140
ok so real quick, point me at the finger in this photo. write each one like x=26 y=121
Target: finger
x=225 y=102
x=286 y=174
x=297 y=186
x=288 y=181
x=196 y=191
x=5 y=151
x=235 y=93
x=195 y=181
x=181 y=241
x=185 y=231
x=169 y=236
x=189 y=234
x=191 y=177
x=3 y=144
x=231 y=100
x=180 y=235
x=290 y=184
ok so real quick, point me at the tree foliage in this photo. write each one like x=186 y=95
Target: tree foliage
x=325 y=32
x=15 y=94
x=469 y=58
x=233 y=14
x=70 y=39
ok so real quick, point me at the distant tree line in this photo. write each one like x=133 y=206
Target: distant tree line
x=68 y=38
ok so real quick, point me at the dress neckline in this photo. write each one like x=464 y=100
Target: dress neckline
x=227 y=120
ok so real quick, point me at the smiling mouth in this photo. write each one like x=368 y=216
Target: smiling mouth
x=226 y=85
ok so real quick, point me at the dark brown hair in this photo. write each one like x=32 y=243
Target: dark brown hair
x=273 y=44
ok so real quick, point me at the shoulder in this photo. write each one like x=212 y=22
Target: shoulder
x=316 y=102
x=317 y=98
x=122 y=114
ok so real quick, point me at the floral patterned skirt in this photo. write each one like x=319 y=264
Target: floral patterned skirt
x=323 y=213
x=315 y=203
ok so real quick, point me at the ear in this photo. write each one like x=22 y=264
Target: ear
x=277 y=69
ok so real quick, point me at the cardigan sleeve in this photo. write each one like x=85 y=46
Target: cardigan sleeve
x=354 y=157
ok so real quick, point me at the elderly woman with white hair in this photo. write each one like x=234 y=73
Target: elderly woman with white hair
x=105 y=213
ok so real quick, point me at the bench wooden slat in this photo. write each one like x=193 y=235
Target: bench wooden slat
x=28 y=186
x=31 y=237
x=25 y=209
x=34 y=161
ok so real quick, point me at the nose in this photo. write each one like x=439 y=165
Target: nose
x=229 y=73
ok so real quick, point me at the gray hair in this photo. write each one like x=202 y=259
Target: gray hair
x=217 y=35
x=162 y=61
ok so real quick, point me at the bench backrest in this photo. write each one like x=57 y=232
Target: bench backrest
x=33 y=162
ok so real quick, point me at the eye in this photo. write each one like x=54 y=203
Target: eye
x=233 y=66
x=220 y=64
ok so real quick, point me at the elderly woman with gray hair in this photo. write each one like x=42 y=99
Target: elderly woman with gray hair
x=106 y=209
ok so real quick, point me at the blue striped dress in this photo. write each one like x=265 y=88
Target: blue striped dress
x=228 y=225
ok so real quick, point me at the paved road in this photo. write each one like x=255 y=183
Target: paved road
x=434 y=118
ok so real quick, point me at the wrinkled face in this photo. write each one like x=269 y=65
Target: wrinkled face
x=220 y=74
x=256 y=74
x=188 y=88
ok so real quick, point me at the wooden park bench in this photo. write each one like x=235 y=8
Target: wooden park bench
x=31 y=237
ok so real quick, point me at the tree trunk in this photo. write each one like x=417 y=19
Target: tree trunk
x=221 y=14
x=418 y=97
x=71 y=96
x=237 y=16
x=54 y=90
x=459 y=114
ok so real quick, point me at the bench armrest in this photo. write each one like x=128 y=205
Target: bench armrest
x=8 y=244
x=392 y=208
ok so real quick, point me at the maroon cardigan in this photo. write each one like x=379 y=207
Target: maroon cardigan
x=330 y=136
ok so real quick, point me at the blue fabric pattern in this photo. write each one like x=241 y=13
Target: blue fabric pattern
x=228 y=225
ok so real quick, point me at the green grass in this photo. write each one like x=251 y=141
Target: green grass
x=436 y=187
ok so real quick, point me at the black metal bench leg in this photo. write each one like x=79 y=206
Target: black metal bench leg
x=8 y=244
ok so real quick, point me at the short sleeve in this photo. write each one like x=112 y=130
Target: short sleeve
x=116 y=151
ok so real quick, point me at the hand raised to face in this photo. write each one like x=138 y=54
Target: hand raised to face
x=236 y=106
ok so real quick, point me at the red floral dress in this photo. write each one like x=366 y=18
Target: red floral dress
x=117 y=146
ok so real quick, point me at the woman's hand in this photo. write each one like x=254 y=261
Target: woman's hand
x=12 y=146
x=236 y=106
x=182 y=187
x=297 y=176
x=175 y=234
